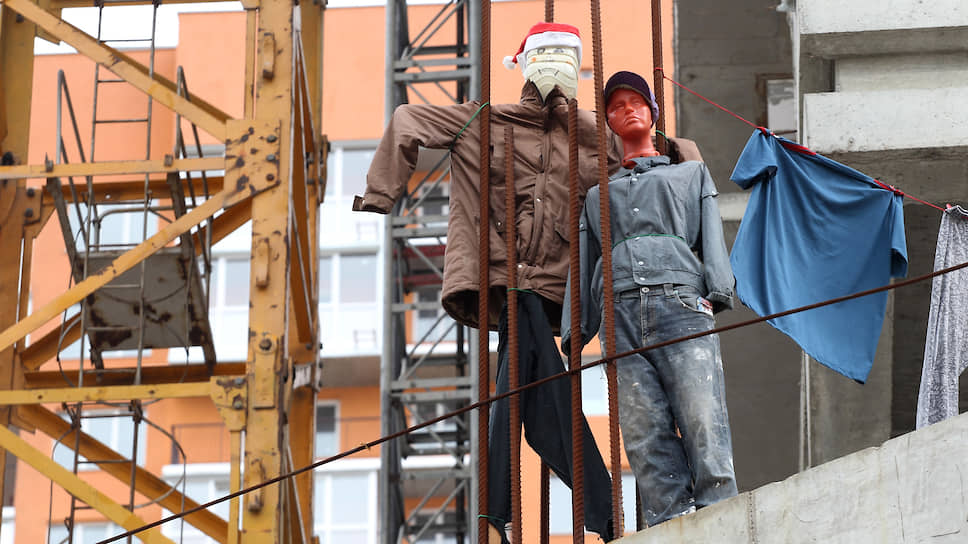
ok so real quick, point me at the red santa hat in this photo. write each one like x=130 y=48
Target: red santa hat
x=545 y=35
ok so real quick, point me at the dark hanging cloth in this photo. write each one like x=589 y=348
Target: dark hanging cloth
x=546 y=416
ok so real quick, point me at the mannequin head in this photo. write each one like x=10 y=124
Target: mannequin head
x=630 y=110
x=549 y=67
x=550 y=56
x=629 y=115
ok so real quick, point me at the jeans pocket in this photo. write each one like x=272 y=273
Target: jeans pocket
x=689 y=298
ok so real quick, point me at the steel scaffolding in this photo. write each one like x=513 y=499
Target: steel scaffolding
x=428 y=484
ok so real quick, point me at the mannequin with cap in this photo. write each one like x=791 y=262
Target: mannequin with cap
x=671 y=273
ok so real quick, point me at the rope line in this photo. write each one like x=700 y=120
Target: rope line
x=467 y=124
x=795 y=147
x=536 y=383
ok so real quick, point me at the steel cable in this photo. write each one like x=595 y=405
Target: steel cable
x=536 y=383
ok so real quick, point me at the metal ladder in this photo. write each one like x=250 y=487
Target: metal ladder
x=90 y=216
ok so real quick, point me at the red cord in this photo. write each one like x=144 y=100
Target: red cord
x=789 y=145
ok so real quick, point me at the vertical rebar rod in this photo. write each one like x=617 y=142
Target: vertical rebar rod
x=514 y=372
x=574 y=357
x=606 y=230
x=136 y=420
x=545 y=529
x=658 y=83
x=483 y=339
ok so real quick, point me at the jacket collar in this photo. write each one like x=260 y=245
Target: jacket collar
x=531 y=97
x=643 y=164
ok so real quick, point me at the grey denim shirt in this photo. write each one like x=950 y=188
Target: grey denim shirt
x=666 y=228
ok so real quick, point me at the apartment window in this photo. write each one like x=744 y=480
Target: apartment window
x=349 y=309
x=779 y=104
x=84 y=532
x=203 y=482
x=346 y=169
x=327 y=435
x=559 y=504
x=345 y=506
x=229 y=305
x=112 y=428
x=9 y=519
x=347 y=166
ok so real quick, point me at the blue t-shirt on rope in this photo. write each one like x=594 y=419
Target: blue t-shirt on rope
x=814 y=230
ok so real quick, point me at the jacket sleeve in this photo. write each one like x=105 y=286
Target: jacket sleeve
x=411 y=127
x=717 y=271
x=590 y=257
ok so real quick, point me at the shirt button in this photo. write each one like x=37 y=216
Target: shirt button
x=635 y=210
x=520 y=265
x=641 y=279
x=641 y=263
x=537 y=200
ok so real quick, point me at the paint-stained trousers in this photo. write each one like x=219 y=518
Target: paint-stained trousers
x=677 y=386
x=546 y=416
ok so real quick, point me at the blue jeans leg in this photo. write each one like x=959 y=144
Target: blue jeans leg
x=678 y=386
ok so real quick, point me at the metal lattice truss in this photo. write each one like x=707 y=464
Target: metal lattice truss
x=273 y=177
x=428 y=483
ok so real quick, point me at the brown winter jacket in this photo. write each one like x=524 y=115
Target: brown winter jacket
x=541 y=182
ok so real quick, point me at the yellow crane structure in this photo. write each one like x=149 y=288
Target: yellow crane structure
x=273 y=175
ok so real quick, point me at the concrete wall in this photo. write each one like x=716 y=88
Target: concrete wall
x=883 y=86
x=721 y=48
x=909 y=490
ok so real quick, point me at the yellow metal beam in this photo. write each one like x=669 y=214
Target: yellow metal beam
x=16 y=75
x=3 y=100
x=302 y=441
x=122 y=191
x=111 y=393
x=123 y=376
x=118 y=63
x=60 y=4
x=119 y=467
x=77 y=487
x=269 y=299
x=109 y=168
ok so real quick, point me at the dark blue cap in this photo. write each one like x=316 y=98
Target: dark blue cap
x=634 y=82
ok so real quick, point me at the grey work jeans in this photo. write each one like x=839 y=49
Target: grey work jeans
x=680 y=385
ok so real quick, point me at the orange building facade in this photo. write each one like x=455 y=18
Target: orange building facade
x=185 y=440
